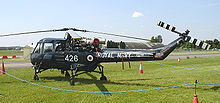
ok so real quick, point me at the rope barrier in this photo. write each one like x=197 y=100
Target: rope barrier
x=106 y=91
x=208 y=84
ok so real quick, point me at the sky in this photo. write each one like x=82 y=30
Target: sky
x=129 y=17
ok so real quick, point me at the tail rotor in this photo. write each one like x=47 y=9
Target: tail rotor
x=190 y=39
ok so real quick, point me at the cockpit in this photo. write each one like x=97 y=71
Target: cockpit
x=48 y=45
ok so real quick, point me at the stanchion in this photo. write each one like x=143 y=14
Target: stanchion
x=195 y=99
x=3 y=67
x=122 y=63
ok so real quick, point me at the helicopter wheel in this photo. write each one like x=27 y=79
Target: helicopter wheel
x=67 y=75
x=103 y=78
x=72 y=81
x=36 y=77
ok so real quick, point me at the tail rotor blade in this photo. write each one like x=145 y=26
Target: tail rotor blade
x=204 y=45
x=208 y=47
x=187 y=39
x=166 y=26
x=192 y=40
x=198 y=42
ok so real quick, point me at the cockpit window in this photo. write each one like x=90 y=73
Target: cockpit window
x=48 y=47
x=37 y=48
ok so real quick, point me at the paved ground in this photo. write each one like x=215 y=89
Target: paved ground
x=27 y=64
x=18 y=64
x=191 y=56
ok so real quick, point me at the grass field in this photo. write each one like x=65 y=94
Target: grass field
x=16 y=59
x=11 y=52
x=155 y=76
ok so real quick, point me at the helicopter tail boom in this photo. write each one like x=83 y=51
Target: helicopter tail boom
x=165 y=51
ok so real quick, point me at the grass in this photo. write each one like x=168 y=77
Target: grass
x=155 y=76
x=11 y=52
x=16 y=59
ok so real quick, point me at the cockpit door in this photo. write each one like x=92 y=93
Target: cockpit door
x=36 y=55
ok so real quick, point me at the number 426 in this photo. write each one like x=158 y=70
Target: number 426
x=71 y=58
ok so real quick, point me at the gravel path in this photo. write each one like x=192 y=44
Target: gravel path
x=27 y=64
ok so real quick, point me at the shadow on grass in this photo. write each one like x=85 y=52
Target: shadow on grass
x=99 y=85
x=56 y=78
x=139 y=79
x=215 y=88
x=6 y=82
x=98 y=82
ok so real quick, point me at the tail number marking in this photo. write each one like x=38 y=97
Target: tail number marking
x=71 y=58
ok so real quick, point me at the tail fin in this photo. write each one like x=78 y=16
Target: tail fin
x=165 y=51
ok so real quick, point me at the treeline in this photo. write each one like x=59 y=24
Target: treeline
x=214 y=44
x=157 y=39
x=111 y=44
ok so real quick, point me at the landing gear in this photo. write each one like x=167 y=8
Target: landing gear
x=35 y=73
x=36 y=77
x=62 y=72
x=72 y=76
x=72 y=81
x=67 y=75
x=103 y=77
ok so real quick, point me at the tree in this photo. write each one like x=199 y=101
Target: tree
x=122 y=45
x=215 y=43
x=152 y=39
x=157 y=39
x=111 y=44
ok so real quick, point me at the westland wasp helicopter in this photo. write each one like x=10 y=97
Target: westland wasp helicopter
x=80 y=55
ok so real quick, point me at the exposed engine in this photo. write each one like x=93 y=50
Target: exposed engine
x=82 y=43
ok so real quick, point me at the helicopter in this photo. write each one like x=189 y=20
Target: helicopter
x=81 y=55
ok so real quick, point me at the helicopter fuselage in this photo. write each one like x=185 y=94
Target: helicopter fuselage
x=49 y=57
x=51 y=53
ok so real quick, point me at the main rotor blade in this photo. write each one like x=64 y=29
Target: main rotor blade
x=74 y=29
x=118 y=35
x=111 y=34
x=33 y=32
